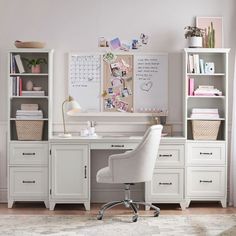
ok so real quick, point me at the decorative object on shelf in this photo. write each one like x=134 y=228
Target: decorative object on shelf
x=72 y=107
x=34 y=64
x=37 y=88
x=205 y=129
x=29 y=85
x=194 y=36
x=209 y=68
x=30 y=44
x=213 y=27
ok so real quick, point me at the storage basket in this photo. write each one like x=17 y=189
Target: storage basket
x=29 y=129
x=205 y=129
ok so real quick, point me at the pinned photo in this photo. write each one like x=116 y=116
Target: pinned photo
x=116 y=82
x=125 y=92
x=109 y=57
x=144 y=38
x=110 y=90
x=102 y=42
x=125 y=46
x=115 y=44
x=109 y=104
x=134 y=44
x=122 y=106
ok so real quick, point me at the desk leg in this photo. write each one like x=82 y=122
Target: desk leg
x=183 y=205
x=87 y=206
x=52 y=206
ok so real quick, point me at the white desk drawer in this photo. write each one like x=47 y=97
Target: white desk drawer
x=32 y=154
x=206 y=153
x=170 y=156
x=28 y=181
x=166 y=184
x=115 y=145
x=205 y=181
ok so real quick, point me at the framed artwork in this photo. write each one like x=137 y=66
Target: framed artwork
x=213 y=27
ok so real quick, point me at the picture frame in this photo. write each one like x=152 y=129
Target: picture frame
x=204 y=22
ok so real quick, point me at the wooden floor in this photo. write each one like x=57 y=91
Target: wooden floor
x=78 y=209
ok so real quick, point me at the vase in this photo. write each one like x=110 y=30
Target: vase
x=35 y=69
x=195 y=42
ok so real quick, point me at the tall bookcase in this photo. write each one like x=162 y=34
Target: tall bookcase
x=206 y=160
x=27 y=153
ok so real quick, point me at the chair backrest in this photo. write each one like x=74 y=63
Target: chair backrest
x=140 y=162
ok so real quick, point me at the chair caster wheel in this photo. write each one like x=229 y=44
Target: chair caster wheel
x=156 y=213
x=99 y=217
x=135 y=218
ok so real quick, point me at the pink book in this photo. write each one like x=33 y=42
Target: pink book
x=191 y=87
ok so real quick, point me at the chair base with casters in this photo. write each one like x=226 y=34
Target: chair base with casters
x=128 y=203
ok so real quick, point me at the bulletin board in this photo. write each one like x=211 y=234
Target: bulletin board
x=128 y=83
x=118 y=84
x=85 y=80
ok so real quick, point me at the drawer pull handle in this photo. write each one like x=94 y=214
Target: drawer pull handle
x=85 y=172
x=206 y=153
x=28 y=153
x=206 y=181
x=165 y=183
x=28 y=181
x=117 y=145
x=165 y=155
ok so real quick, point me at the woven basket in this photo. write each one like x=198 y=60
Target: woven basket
x=205 y=129
x=29 y=129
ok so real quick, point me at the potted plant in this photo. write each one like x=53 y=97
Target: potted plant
x=34 y=64
x=194 y=36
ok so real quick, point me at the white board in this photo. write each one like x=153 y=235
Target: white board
x=151 y=82
x=85 y=80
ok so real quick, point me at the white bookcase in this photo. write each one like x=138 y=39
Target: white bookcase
x=206 y=160
x=28 y=158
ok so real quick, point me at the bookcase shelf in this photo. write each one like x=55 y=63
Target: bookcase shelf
x=29 y=129
x=206 y=123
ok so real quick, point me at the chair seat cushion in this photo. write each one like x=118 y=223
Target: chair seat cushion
x=104 y=175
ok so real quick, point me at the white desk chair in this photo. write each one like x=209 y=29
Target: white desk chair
x=132 y=167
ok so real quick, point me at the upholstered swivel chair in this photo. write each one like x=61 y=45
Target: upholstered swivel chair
x=132 y=167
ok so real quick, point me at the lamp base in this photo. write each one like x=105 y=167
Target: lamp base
x=65 y=135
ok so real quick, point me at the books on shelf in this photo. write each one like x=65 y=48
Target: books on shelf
x=33 y=93
x=18 y=62
x=205 y=113
x=16 y=86
x=207 y=90
x=190 y=86
x=29 y=114
x=29 y=106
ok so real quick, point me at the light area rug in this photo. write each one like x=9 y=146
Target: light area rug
x=68 y=225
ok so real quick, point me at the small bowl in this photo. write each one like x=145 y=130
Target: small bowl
x=37 y=88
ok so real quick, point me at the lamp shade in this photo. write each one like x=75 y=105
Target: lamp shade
x=72 y=107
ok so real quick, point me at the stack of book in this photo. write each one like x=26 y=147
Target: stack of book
x=33 y=93
x=29 y=114
x=205 y=113
x=207 y=90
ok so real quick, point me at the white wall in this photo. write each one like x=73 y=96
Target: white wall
x=75 y=25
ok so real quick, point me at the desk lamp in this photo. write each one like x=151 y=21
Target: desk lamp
x=71 y=108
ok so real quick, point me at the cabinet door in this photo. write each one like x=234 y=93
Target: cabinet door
x=69 y=172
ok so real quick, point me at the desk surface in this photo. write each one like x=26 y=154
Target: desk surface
x=111 y=138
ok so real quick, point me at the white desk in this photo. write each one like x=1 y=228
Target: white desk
x=70 y=168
